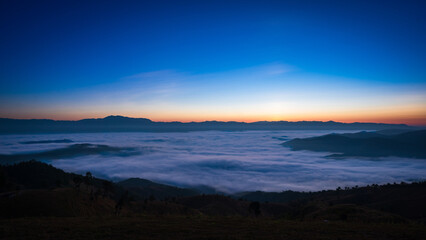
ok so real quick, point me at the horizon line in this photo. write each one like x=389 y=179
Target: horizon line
x=230 y=121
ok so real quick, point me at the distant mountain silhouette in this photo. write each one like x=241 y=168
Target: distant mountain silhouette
x=70 y=151
x=125 y=124
x=410 y=144
x=48 y=141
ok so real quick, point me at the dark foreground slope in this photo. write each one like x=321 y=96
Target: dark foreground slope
x=125 y=124
x=143 y=189
x=403 y=200
x=200 y=227
x=410 y=144
x=38 y=201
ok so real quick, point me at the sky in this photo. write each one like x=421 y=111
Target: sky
x=348 y=61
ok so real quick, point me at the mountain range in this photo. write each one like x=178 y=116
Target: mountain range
x=126 y=124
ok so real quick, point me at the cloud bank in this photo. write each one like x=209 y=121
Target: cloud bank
x=228 y=161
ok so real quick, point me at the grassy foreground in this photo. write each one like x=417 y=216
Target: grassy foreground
x=38 y=201
x=198 y=227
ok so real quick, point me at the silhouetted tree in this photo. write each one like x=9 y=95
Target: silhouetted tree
x=88 y=178
x=121 y=202
x=2 y=179
x=254 y=207
x=107 y=187
x=77 y=182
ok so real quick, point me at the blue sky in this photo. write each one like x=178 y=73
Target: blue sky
x=205 y=60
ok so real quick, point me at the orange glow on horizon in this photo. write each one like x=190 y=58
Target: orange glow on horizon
x=409 y=119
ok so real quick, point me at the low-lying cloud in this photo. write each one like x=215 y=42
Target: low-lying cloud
x=227 y=161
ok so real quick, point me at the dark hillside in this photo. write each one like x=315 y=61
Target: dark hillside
x=60 y=202
x=364 y=144
x=84 y=207
x=406 y=200
x=142 y=189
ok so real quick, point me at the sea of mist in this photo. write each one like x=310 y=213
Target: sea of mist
x=227 y=161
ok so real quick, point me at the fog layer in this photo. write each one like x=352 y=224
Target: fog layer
x=227 y=161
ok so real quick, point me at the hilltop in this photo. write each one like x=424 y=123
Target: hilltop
x=410 y=144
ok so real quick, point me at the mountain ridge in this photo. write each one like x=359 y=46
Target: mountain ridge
x=411 y=144
x=116 y=123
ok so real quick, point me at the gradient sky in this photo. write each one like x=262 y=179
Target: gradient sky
x=214 y=60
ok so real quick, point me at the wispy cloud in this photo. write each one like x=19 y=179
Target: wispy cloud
x=267 y=92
